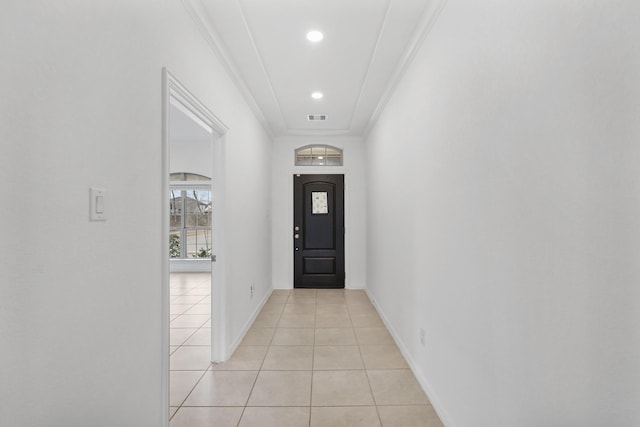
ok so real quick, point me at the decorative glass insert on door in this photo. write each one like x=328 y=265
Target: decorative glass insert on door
x=319 y=203
x=190 y=223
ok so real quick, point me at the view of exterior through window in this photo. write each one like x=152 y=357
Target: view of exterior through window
x=190 y=223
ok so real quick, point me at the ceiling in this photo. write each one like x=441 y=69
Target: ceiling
x=367 y=45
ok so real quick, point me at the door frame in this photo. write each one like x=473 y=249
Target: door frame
x=321 y=170
x=173 y=91
x=300 y=213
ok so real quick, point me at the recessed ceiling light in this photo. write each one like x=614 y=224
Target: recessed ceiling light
x=315 y=36
x=317 y=95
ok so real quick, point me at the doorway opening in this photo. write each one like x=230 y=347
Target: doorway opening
x=192 y=235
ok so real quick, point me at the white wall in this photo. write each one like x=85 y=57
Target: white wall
x=191 y=147
x=80 y=302
x=282 y=205
x=503 y=193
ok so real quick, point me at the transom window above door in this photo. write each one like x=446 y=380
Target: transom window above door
x=318 y=155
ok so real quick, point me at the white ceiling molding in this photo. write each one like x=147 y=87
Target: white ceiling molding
x=367 y=46
x=194 y=9
x=427 y=22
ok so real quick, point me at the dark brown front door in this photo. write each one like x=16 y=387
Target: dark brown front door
x=318 y=231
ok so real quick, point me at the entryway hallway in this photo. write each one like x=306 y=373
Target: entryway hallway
x=319 y=358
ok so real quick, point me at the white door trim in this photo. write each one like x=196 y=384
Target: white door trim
x=174 y=93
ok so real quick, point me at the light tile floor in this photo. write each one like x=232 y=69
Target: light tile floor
x=313 y=358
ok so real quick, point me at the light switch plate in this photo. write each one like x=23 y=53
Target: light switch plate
x=97 y=204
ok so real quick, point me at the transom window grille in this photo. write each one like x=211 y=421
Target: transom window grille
x=318 y=155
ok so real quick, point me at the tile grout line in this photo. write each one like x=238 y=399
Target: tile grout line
x=244 y=408
x=366 y=371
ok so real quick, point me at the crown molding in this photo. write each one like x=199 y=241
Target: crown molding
x=426 y=24
x=214 y=41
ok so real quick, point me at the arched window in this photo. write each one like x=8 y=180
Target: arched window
x=318 y=155
x=187 y=176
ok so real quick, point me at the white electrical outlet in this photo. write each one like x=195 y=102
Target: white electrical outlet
x=422 y=336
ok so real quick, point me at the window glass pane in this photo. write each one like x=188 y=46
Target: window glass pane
x=318 y=155
x=175 y=209
x=190 y=223
x=174 y=244
x=318 y=151
x=198 y=243
x=198 y=208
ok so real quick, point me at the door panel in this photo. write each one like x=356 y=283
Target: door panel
x=318 y=235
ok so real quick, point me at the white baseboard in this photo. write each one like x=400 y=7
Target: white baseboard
x=247 y=326
x=422 y=380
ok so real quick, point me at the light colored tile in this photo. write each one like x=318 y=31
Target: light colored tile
x=333 y=321
x=278 y=296
x=299 y=308
x=341 y=388
x=190 y=358
x=345 y=416
x=356 y=296
x=201 y=337
x=172 y=411
x=332 y=309
x=177 y=336
x=306 y=320
x=323 y=298
x=200 y=308
x=187 y=299
x=396 y=387
x=337 y=357
x=331 y=293
x=179 y=308
x=189 y=321
x=222 y=388
x=288 y=358
x=301 y=300
x=305 y=293
x=272 y=308
x=366 y=321
x=335 y=336
x=374 y=336
x=275 y=417
x=266 y=320
x=180 y=385
x=281 y=388
x=382 y=357
x=206 y=417
x=258 y=336
x=199 y=291
x=362 y=308
x=409 y=416
x=293 y=336
x=245 y=358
